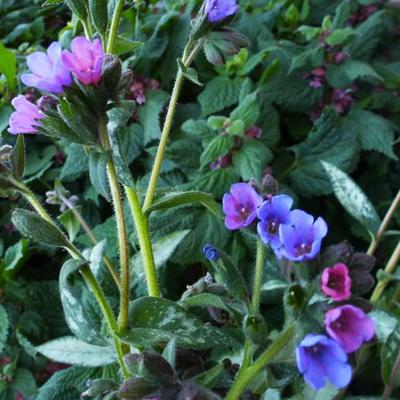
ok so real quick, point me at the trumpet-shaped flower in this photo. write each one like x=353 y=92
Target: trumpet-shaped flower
x=25 y=118
x=86 y=59
x=320 y=358
x=336 y=282
x=48 y=70
x=218 y=10
x=301 y=239
x=349 y=326
x=240 y=206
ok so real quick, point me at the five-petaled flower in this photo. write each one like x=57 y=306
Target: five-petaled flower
x=25 y=118
x=48 y=70
x=272 y=213
x=218 y=10
x=319 y=358
x=301 y=239
x=336 y=282
x=86 y=59
x=349 y=326
x=240 y=206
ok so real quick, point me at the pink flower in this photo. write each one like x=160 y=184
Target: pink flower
x=26 y=116
x=349 y=326
x=336 y=282
x=86 y=60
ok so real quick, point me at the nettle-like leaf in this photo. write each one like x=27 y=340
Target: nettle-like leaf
x=70 y=350
x=352 y=198
x=156 y=320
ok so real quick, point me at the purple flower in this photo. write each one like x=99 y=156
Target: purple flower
x=319 y=357
x=86 y=59
x=210 y=252
x=240 y=206
x=25 y=118
x=273 y=213
x=48 y=70
x=336 y=282
x=349 y=326
x=217 y=10
x=342 y=100
x=301 y=240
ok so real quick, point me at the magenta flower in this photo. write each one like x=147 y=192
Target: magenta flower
x=218 y=10
x=349 y=326
x=48 y=70
x=86 y=59
x=301 y=239
x=336 y=282
x=240 y=206
x=272 y=214
x=25 y=117
x=319 y=358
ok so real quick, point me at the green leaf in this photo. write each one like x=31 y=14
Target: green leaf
x=70 y=223
x=329 y=142
x=4 y=326
x=352 y=198
x=166 y=320
x=344 y=74
x=82 y=321
x=98 y=173
x=18 y=157
x=390 y=356
x=340 y=37
x=217 y=147
x=247 y=111
x=14 y=258
x=23 y=382
x=219 y=93
x=189 y=73
x=308 y=59
x=209 y=378
x=375 y=132
x=123 y=45
x=117 y=120
x=78 y=7
x=8 y=66
x=251 y=159
x=99 y=14
x=149 y=114
x=205 y=300
x=71 y=350
x=34 y=227
x=76 y=163
x=48 y=3
x=179 y=198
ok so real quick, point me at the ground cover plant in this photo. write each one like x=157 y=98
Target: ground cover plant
x=200 y=200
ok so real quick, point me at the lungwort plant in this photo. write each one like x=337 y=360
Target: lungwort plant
x=255 y=301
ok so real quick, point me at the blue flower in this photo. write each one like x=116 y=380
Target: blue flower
x=210 y=252
x=301 y=239
x=272 y=214
x=240 y=206
x=319 y=358
x=218 y=10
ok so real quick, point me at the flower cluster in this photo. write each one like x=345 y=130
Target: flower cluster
x=52 y=72
x=292 y=234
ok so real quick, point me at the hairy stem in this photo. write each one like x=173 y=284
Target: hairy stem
x=260 y=261
x=392 y=379
x=388 y=217
x=114 y=25
x=142 y=230
x=247 y=375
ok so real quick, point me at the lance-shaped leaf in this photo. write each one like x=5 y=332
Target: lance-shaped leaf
x=352 y=198
x=18 y=157
x=390 y=355
x=99 y=14
x=98 y=173
x=34 y=227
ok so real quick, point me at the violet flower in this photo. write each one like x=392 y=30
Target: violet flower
x=342 y=100
x=218 y=10
x=85 y=60
x=301 y=240
x=349 y=326
x=272 y=214
x=48 y=70
x=319 y=358
x=240 y=206
x=26 y=117
x=336 y=282
x=210 y=252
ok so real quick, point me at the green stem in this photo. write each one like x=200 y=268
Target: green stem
x=258 y=276
x=389 y=269
x=87 y=29
x=388 y=217
x=247 y=375
x=142 y=230
x=188 y=56
x=87 y=275
x=114 y=25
